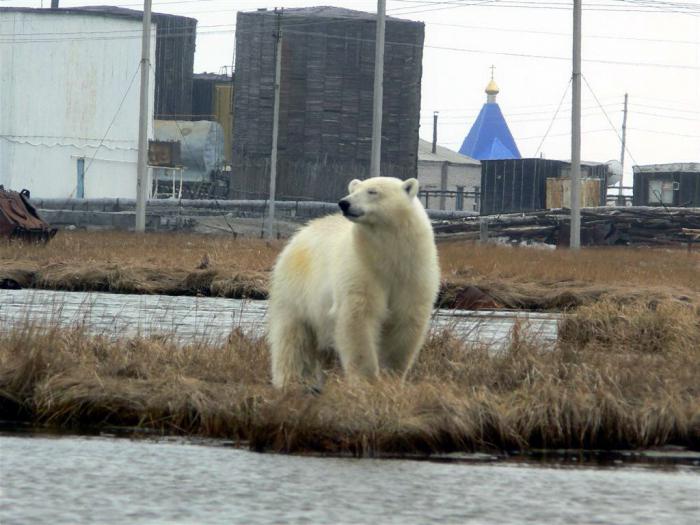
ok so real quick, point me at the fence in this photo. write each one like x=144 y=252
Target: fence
x=459 y=197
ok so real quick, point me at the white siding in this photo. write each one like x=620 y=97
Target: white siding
x=60 y=89
x=430 y=177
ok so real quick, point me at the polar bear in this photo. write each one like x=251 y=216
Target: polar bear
x=361 y=283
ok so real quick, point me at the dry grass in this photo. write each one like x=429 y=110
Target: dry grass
x=620 y=378
x=515 y=277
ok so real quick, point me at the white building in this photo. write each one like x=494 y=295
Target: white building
x=69 y=102
x=448 y=180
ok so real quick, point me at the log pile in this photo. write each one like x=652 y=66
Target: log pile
x=602 y=226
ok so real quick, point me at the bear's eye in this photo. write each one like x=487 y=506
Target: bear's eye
x=372 y=191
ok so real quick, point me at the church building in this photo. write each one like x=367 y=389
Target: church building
x=489 y=137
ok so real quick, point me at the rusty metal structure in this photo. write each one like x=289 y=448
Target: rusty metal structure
x=20 y=220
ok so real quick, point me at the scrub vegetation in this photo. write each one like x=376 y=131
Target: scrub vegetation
x=187 y=264
x=620 y=376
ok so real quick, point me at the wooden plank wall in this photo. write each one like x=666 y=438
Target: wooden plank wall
x=325 y=103
x=175 y=45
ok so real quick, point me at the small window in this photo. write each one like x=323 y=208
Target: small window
x=661 y=191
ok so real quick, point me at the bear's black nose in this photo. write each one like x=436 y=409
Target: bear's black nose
x=344 y=205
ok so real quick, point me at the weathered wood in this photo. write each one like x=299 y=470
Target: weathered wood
x=326 y=101
x=600 y=226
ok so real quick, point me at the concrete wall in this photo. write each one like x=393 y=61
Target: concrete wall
x=172 y=214
x=430 y=177
x=60 y=90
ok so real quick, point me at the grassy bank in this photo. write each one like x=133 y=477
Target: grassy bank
x=185 y=264
x=621 y=377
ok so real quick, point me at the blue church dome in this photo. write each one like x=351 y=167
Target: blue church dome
x=489 y=138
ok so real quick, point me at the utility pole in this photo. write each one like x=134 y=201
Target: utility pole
x=275 y=127
x=575 y=238
x=620 y=202
x=376 y=159
x=435 y=119
x=144 y=116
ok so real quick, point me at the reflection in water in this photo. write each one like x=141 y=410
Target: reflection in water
x=75 y=480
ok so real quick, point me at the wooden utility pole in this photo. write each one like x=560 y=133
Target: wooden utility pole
x=620 y=202
x=275 y=127
x=575 y=237
x=144 y=116
x=376 y=159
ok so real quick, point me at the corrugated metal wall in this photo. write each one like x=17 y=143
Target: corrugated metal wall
x=326 y=103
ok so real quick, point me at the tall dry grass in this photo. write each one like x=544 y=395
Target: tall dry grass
x=619 y=378
x=189 y=264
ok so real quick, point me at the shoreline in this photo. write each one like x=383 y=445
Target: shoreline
x=619 y=377
x=660 y=458
x=460 y=293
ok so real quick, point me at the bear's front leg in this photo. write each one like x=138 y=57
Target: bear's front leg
x=402 y=340
x=359 y=319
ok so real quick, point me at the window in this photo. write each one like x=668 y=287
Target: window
x=661 y=191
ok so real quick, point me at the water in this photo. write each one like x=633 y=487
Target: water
x=213 y=318
x=76 y=480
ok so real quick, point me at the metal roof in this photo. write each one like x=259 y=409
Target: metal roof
x=332 y=12
x=442 y=154
x=489 y=138
x=674 y=167
x=95 y=10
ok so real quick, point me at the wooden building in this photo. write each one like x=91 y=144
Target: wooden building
x=520 y=185
x=325 y=102
x=675 y=184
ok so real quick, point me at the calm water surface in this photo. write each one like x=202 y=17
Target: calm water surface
x=76 y=480
x=213 y=318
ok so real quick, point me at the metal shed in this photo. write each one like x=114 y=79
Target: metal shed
x=325 y=101
x=676 y=184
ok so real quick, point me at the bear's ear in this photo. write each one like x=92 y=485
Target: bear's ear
x=353 y=184
x=410 y=186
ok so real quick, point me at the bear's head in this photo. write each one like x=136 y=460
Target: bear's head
x=379 y=200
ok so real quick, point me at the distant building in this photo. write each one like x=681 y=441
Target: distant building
x=489 y=137
x=212 y=99
x=521 y=185
x=448 y=180
x=69 y=97
x=676 y=184
x=325 y=125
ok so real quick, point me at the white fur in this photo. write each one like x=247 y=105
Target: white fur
x=363 y=285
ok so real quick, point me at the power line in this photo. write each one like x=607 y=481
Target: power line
x=608 y=119
x=568 y=35
x=674 y=117
x=369 y=40
x=549 y=128
x=657 y=132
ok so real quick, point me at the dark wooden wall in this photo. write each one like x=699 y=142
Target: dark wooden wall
x=325 y=103
x=520 y=185
x=687 y=195
x=175 y=46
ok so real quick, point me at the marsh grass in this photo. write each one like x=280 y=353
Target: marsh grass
x=188 y=264
x=619 y=378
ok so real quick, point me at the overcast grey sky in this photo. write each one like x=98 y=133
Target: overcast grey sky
x=647 y=48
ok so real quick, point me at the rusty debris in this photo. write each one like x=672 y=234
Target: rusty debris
x=20 y=220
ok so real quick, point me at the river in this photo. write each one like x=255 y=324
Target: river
x=79 y=480
x=213 y=318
